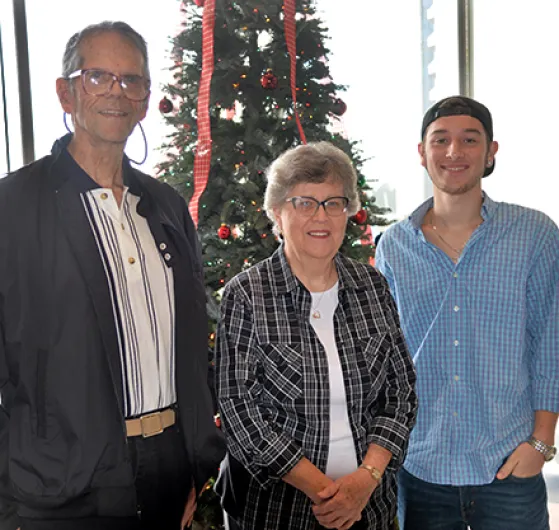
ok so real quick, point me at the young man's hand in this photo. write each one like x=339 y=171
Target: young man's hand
x=524 y=462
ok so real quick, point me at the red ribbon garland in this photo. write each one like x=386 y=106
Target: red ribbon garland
x=289 y=24
x=203 y=155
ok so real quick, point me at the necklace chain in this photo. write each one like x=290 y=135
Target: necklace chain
x=315 y=312
x=457 y=251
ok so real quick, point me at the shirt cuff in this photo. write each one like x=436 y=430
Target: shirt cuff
x=392 y=436
x=546 y=396
x=277 y=462
x=265 y=462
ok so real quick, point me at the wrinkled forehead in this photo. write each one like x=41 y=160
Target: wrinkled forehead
x=109 y=48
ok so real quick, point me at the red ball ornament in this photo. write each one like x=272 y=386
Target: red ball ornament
x=165 y=105
x=360 y=217
x=223 y=232
x=269 y=81
x=229 y=114
x=339 y=107
x=199 y=3
x=217 y=421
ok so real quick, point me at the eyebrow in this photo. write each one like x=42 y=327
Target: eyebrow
x=445 y=131
x=101 y=69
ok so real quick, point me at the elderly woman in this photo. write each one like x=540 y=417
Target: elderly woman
x=315 y=384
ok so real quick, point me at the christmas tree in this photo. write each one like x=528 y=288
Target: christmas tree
x=252 y=122
x=270 y=90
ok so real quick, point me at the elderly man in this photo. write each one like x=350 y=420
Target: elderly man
x=106 y=418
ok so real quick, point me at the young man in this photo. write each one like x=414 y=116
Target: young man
x=106 y=419
x=476 y=284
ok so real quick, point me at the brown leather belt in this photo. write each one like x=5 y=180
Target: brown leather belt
x=150 y=424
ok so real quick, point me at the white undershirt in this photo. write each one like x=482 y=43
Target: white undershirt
x=342 y=458
x=141 y=287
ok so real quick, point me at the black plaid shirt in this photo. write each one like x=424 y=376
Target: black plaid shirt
x=273 y=386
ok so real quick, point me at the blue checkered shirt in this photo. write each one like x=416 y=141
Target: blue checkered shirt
x=484 y=335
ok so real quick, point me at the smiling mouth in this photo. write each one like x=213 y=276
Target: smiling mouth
x=318 y=233
x=455 y=169
x=114 y=113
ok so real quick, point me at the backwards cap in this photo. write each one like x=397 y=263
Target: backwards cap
x=461 y=106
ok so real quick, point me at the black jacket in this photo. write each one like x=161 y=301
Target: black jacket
x=62 y=432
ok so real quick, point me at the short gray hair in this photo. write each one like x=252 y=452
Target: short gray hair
x=311 y=163
x=73 y=60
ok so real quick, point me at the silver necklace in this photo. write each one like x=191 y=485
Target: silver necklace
x=315 y=312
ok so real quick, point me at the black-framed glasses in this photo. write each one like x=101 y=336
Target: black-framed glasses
x=97 y=82
x=308 y=206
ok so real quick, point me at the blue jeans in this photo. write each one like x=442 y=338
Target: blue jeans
x=509 y=504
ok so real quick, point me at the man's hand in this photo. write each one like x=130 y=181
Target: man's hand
x=189 y=509
x=524 y=462
x=344 y=500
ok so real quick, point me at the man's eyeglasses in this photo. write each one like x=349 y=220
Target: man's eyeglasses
x=97 y=82
x=308 y=206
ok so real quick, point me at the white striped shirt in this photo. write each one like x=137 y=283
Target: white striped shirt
x=141 y=287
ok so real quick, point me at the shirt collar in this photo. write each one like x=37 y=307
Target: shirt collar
x=415 y=220
x=284 y=280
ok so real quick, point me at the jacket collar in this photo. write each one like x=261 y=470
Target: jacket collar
x=66 y=171
x=68 y=168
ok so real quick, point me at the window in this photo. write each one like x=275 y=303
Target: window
x=378 y=54
x=515 y=75
x=10 y=127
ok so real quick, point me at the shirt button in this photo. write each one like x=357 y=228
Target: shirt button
x=455 y=275
x=455 y=414
x=131 y=261
x=456 y=309
x=104 y=196
x=162 y=246
x=167 y=256
x=457 y=378
x=456 y=342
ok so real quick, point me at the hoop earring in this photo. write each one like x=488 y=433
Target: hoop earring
x=66 y=123
x=131 y=159
x=145 y=147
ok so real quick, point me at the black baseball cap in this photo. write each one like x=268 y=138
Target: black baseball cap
x=461 y=106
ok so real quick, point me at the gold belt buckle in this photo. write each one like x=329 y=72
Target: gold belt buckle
x=151 y=424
